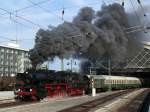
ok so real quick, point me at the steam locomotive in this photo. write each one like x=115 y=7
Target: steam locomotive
x=37 y=85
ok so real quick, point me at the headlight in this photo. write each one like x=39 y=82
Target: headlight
x=18 y=90
x=30 y=90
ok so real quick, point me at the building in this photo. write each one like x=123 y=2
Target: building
x=13 y=60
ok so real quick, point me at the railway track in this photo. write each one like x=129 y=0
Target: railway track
x=88 y=106
x=5 y=101
x=1 y=100
x=14 y=103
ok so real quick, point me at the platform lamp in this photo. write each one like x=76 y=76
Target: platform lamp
x=71 y=64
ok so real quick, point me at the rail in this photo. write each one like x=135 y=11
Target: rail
x=86 y=107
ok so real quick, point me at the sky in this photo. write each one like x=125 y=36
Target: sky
x=18 y=22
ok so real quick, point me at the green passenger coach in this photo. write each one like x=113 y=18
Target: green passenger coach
x=104 y=82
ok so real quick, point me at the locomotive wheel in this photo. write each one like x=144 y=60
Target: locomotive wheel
x=34 y=98
x=38 y=98
x=27 y=98
x=18 y=99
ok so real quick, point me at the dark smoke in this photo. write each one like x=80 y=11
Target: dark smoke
x=84 y=66
x=91 y=35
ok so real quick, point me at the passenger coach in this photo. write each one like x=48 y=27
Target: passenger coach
x=103 y=82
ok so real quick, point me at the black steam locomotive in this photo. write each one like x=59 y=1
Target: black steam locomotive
x=37 y=85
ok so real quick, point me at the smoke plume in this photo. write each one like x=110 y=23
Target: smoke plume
x=90 y=35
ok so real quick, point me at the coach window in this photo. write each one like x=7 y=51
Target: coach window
x=107 y=81
x=111 y=81
x=114 y=81
x=119 y=81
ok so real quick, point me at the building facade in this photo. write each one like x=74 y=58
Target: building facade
x=13 y=60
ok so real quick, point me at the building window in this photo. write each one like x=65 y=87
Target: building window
x=16 y=52
x=2 y=62
x=2 y=50
x=7 y=50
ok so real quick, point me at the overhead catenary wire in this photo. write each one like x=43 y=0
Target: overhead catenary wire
x=141 y=6
x=144 y=13
x=44 y=9
x=20 y=23
x=11 y=17
x=71 y=6
x=16 y=23
x=60 y=9
x=22 y=18
x=63 y=10
x=16 y=27
x=27 y=7
x=136 y=29
x=145 y=17
x=9 y=39
x=42 y=2
x=29 y=21
x=75 y=6
x=138 y=19
x=14 y=14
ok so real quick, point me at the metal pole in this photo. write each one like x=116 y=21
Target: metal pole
x=48 y=64
x=71 y=64
x=62 y=64
x=93 y=88
x=90 y=71
x=109 y=72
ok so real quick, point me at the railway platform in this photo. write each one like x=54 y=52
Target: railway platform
x=6 y=95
